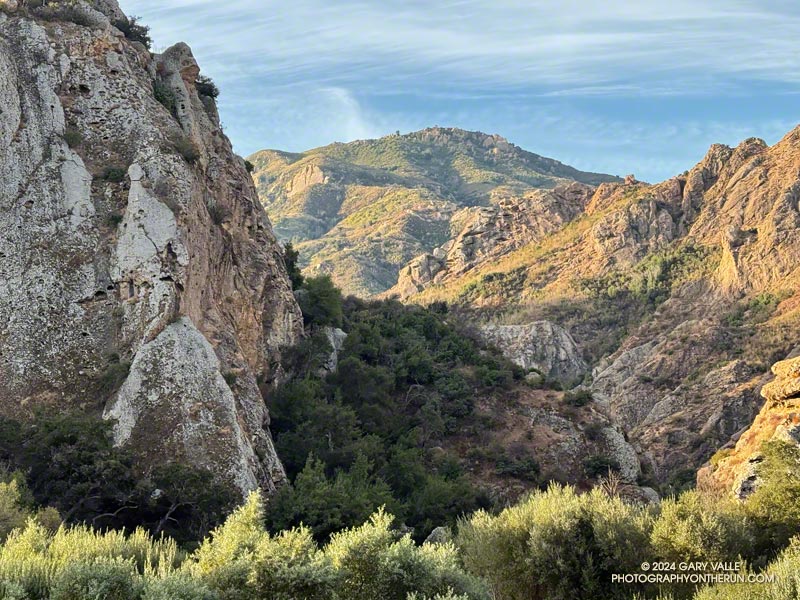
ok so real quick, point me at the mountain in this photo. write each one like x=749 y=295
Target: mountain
x=679 y=294
x=139 y=275
x=359 y=211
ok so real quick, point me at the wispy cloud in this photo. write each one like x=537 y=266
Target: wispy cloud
x=615 y=86
x=507 y=43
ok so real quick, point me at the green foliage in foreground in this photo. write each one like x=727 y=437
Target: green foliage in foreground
x=554 y=545
x=558 y=544
x=239 y=561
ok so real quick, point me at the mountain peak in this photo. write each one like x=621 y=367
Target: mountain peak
x=369 y=206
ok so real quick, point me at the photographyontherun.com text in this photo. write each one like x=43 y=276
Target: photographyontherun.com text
x=698 y=572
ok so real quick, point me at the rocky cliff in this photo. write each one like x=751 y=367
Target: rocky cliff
x=542 y=347
x=139 y=275
x=734 y=467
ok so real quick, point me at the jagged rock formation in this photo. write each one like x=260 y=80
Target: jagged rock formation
x=489 y=232
x=541 y=346
x=139 y=275
x=360 y=211
x=679 y=293
x=336 y=338
x=779 y=419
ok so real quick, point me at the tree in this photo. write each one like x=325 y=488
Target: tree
x=329 y=504
x=290 y=259
x=72 y=465
x=694 y=527
x=189 y=503
x=557 y=544
x=321 y=302
x=206 y=87
x=134 y=31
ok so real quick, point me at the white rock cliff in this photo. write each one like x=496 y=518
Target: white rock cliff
x=131 y=234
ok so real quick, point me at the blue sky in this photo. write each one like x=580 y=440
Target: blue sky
x=619 y=86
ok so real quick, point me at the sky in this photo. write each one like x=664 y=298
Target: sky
x=618 y=86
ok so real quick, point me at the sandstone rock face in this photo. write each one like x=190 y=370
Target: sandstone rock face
x=779 y=419
x=786 y=385
x=489 y=232
x=336 y=338
x=542 y=346
x=130 y=234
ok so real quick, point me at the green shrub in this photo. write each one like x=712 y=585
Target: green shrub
x=114 y=376
x=102 y=580
x=557 y=544
x=177 y=586
x=12 y=512
x=115 y=174
x=115 y=218
x=376 y=564
x=720 y=455
x=780 y=581
x=290 y=259
x=72 y=465
x=218 y=213
x=73 y=137
x=186 y=148
x=61 y=11
x=164 y=95
x=521 y=468
x=449 y=595
x=594 y=431
x=206 y=87
x=321 y=302
x=10 y=590
x=134 y=31
x=694 y=527
x=249 y=166
x=289 y=566
x=597 y=466
x=578 y=398
x=329 y=504
x=775 y=505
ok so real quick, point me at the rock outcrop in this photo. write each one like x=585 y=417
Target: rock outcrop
x=540 y=346
x=736 y=467
x=139 y=276
x=485 y=233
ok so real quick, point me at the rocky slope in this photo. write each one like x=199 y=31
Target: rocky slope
x=680 y=294
x=139 y=275
x=734 y=468
x=360 y=211
x=542 y=347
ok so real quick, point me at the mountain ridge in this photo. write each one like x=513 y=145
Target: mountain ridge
x=324 y=200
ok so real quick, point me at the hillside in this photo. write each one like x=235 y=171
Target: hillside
x=679 y=294
x=361 y=210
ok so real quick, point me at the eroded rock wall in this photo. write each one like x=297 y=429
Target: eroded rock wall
x=139 y=276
